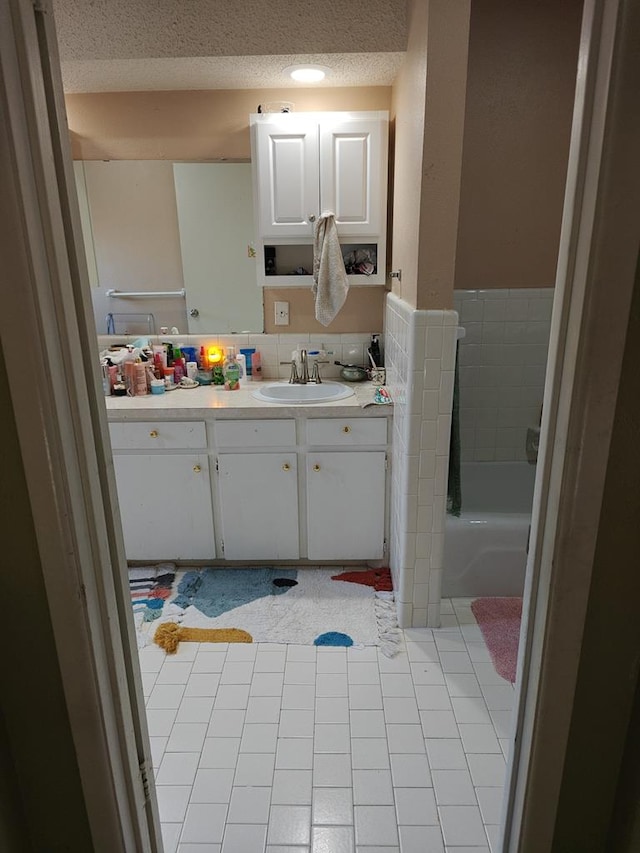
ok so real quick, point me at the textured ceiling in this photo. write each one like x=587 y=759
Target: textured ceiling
x=195 y=43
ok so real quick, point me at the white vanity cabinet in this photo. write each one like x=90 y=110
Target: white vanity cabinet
x=346 y=489
x=305 y=164
x=164 y=490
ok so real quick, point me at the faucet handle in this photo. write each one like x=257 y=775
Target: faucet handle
x=315 y=374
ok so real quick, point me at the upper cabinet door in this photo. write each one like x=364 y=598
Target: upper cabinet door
x=288 y=175
x=353 y=174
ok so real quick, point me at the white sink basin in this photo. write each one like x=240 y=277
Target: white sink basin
x=283 y=392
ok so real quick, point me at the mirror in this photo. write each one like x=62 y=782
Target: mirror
x=162 y=227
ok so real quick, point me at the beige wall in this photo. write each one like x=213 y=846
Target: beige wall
x=191 y=125
x=522 y=66
x=207 y=126
x=428 y=108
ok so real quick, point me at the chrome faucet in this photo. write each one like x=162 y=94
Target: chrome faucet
x=303 y=378
x=304 y=367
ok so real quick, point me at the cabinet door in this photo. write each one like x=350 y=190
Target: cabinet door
x=353 y=175
x=165 y=505
x=345 y=505
x=259 y=506
x=288 y=176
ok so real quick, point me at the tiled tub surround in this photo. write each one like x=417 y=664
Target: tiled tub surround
x=420 y=358
x=502 y=361
x=350 y=348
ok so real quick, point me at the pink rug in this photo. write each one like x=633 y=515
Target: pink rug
x=499 y=621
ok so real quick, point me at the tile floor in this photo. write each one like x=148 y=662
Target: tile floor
x=292 y=749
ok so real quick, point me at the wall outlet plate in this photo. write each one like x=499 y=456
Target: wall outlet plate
x=281 y=310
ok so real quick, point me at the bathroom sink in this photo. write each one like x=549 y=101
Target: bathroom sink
x=283 y=392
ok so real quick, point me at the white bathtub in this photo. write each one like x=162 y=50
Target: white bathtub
x=485 y=550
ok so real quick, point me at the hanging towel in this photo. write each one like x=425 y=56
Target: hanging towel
x=330 y=282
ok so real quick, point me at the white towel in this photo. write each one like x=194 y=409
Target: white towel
x=330 y=282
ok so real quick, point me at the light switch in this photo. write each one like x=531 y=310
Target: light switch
x=281 y=313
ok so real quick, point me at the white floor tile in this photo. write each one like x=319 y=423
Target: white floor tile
x=294 y=754
x=220 y=752
x=178 y=768
x=292 y=787
x=332 y=770
x=439 y=724
x=227 y=723
x=174 y=672
x=498 y=698
x=373 y=787
x=269 y=661
x=212 y=786
x=490 y=802
x=331 y=737
x=397 y=684
x=299 y=673
x=432 y=697
x=158 y=745
x=186 y=651
x=331 y=684
x=199 y=848
x=405 y=739
x=478 y=653
x=298 y=697
x=202 y=684
x=208 y=662
x=446 y=754
x=427 y=673
x=151 y=659
x=280 y=848
x=301 y=654
x=368 y=724
x=420 y=839
x=472 y=633
x=242 y=652
x=187 y=737
x=261 y=709
x=170 y=835
x=375 y=825
x=296 y=723
x=398 y=664
x=289 y=825
x=242 y=838
x=148 y=682
x=470 y=710
x=416 y=807
x=363 y=673
x=422 y=652
x=204 y=823
x=362 y=654
x=478 y=738
x=461 y=825
x=259 y=737
x=160 y=722
x=410 y=771
x=195 y=710
x=487 y=771
x=449 y=642
x=331 y=664
x=237 y=672
x=172 y=802
x=418 y=635
x=493 y=835
x=454 y=788
x=456 y=662
x=502 y=722
x=165 y=697
x=369 y=754
x=255 y=768
x=332 y=839
x=267 y=684
x=462 y=684
x=365 y=697
x=332 y=806
x=231 y=697
x=332 y=710
x=249 y=805
x=487 y=674
x=401 y=710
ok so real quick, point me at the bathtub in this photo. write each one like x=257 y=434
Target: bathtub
x=485 y=550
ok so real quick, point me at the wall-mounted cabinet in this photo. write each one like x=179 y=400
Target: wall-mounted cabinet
x=305 y=164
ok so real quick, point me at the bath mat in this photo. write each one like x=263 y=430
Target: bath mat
x=322 y=606
x=499 y=620
x=150 y=588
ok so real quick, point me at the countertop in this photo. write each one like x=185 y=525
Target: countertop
x=214 y=401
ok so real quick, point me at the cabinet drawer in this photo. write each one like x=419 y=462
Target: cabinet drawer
x=345 y=432
x=255 y=433
x=158 y=435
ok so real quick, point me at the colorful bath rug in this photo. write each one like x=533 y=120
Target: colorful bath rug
x=499 y=620
x=278 y=605
x=150 y=588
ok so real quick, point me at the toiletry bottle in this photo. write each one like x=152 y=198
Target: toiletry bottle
x=231 y=371
x=374 y=350
x=106 y=380
x=256 y=367
x=248 y=352
x=140 y=376
x=242 y=361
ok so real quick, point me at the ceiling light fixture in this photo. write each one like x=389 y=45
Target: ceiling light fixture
x=307 y=73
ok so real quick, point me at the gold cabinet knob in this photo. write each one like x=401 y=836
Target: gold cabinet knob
x=286 y=467
x=316 y=467
x=153 y=433
x=346 y=429
x=197 y=469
